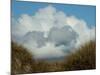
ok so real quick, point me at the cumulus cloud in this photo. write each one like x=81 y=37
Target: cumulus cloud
x=33 y=40
x=48 y=51
x=80 y=26
x=62 y=36
x=51 y=33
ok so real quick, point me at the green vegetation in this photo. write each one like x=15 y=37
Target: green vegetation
x=82 y=59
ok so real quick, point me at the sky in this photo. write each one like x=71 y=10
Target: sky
x=47 y=29
x=85 y=12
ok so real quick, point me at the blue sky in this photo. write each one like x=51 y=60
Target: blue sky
x=87 y=13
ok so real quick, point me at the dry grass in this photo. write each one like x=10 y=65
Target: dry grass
x=21 y=60
x=82 y=59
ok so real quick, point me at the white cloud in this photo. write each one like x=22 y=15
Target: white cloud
x=45 y=17
x=62 y=36
x=49 y=51
x=69 y=32
x=43 y=20
x=80 y=26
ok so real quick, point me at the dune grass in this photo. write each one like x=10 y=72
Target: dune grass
x=22 y=62
x=84 y=58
